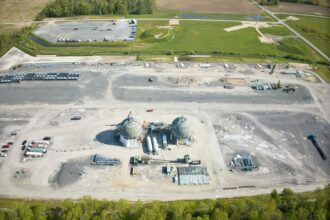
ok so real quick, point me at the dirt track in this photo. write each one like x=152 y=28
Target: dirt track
x=241 y=6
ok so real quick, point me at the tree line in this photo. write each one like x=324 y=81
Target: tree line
x=275 y=206
x=65 y=8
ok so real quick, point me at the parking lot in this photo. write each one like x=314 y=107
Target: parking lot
x=88 y=31
x=52 y=84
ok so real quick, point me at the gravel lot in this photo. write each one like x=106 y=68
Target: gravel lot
x=124 y=88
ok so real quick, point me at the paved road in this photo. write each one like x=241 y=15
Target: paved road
x=302 y=14
x=292 y=30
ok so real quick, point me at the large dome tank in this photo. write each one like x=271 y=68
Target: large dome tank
x=130 y=128
x=181 y=128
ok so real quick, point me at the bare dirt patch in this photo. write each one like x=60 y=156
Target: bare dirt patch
x=300 y=8
x=212 y=6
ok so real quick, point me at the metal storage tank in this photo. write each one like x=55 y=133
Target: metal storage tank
x=181 y=128
x=130 y=131
x=149 y=144
x=130 y=128
x=155 y=145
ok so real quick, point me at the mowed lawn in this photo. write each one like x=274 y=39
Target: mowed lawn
x=207 y=37
x=317 y=30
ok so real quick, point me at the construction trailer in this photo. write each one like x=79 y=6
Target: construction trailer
x=193 y=175
x=37 y=149
x=33 y=154
x=40 y=142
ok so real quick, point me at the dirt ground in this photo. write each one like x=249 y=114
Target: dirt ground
x=211 y=6
x=240 y=120
x=300 y=8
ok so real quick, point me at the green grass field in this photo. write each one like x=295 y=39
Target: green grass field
x=190 y=37
x=276 y=30
x=317 y=30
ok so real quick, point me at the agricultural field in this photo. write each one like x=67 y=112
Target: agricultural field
x=13 y=11
x=288 y=7
x=240 y=6
x=317 y=30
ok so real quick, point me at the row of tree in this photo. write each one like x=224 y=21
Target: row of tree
x=284 y=205
x=65 y=8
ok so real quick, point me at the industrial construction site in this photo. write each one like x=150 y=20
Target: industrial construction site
x=112 y=127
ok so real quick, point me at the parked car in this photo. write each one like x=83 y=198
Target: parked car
x=10 y=143
x=4 y=151
x=47 y=138
x=76 y=118
x=23 y=147
x=6 y=146
x=24 y=142
x=3 y=155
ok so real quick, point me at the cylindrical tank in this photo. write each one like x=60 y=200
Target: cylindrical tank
x=149 y=144
x=155 y=145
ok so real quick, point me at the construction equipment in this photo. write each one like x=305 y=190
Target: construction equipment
x=245 y=162
x=99 y=160
x=140 y=160
x=312 y=138
x=133 y=171
x=273 y=69
x=289 y=88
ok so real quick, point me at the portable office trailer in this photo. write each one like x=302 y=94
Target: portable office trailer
x=37 y=149
x=33 y=154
